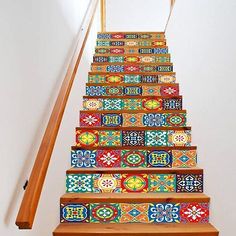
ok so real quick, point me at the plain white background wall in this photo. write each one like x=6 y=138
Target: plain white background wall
x=36 y=44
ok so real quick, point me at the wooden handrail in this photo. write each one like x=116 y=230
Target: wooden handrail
x=29 y=204
x=172 y=3
x=103 y=15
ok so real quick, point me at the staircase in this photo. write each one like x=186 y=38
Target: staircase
x=134 y=170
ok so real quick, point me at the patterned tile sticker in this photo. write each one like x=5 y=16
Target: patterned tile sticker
x=169 y=90
x=133 y=158
x=132 y=104
x=134 y=183
x=113 y=90
x=83 y=158
x=111 y=120
x=159 y=158
x=179 y=138
x=95 y=90
x=164 y=213
x=96 y=79
x=154 y=119
x=110 y=138
x=131 y=213
x=104 y=213
x=162 y=183
x=133 y=120
x=92 y=104
x=131 y=79
x=90 y=120
x=172 y=104
x=107 y=183
x=108 y=158
x=114 y=78
x=166 y=79
x=112 y=104
x=151 y=90
x=75 y=213
x=133 y=138
x=184 y=158
x=194 y=212
x=152 y=104
x=132 y=90
x=191 y=183
x=87 y=138
x=176 y=119
x=156 y=138
x=79 y=183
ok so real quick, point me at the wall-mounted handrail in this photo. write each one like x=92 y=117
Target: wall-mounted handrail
x=29 y=204
x=172 y=3
x=103 y=15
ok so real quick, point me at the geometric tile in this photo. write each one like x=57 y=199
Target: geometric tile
x=152 y=104
x=97 y=79
x=108 y=158
x=176 y=119
x=104 y=213
x=170 y=90
x=184 y=158
x=134 y=183
x=164 y=213
x=95 y=90
x=151 y=90
x=190 y=183
x=133 y=138
x=132 y=79
x=107 y=183
x=77 y=213
x=111 y=120
x=154 y=120
x=131 y=213
x=172 y=104
x=162 y=183
x=83 y=158
x=194 y=212
x=79 y=183
x=132 y=104
x=114 y=78
x=132 y=90
x=92 y=104
x=156 y=138
x=112 y=104
x=114 y=90
x=179 y=138
x=130 y=120
x=149 y=78
x=90 y=120
x=87 y=138
x=133 y=158
x=159 y=158
x=166 y=79
x=109 y=138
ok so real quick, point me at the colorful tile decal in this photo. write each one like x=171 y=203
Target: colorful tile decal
x=135 y=213
x=79 y=183
x=90 y=120
x=108 y=158
x=159 y=158
x=133 y=138
x=130 y=36
x=184 y=158
x=130 y=43
x=110 y=138
x=134 y=183
x=111 y=120
x=87 y=138
x=83 y=158
x=162 y=183
x=133 y=158
x=191 y=183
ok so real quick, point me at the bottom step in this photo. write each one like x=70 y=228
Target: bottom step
x=135 y=230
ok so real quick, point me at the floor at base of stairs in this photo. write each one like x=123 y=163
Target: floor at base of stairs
x=135 y=229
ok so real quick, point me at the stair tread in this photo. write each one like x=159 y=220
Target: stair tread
x=136 y=229
x=134 y=97
x=129 y=84
x=132 y=111
x=134 y=197
x=134 y=128
x=131 y=73
x=139 y=148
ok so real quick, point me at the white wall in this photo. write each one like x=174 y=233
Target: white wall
x=36 y=43
x=201 y=36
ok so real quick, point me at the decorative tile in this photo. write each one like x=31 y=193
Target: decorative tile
x=115 y=68
x=133 y=158
x=75 y=213
x=117 y=51
x=133 y=104
x=83 y=158
x=133 y=138
x=132 y=79
x=95 y=90
x=149 y=59
x=159 y=158
x=90 y=120
x=132 y=90
x=147 y=68
x=132 y=59
x=131 y=36
x=100 y=59
x=110 y=138
x=164 y=68
x=151 y=90
x=169 y=90
x=162 y=183
x=134 y=183
x=194 y=212
x=114 y=78
x=160 y=50
x=166 y=79
x=154 y=119
x=152 y=104
x=189 y=183
x=133 y=120
x=176 y=119
x=87 y=138
x=156 y=138
x=118 y=36
x=149 y=78
x=108 y=158
x=114 y=59
x=131 y=68
x=112 y=104
x=107 y=183
x=164 y=213
x=98 y=79
x=111 y=120
x=92 y=104
x=131 y=213
x=102 y=50
x=104 y=213
x=184 y=158
x=179 y=138
x=79 y=183
x=104 y=36
x=172 y=104
x=114 y=90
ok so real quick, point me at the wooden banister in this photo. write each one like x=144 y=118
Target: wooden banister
x=103 y=15
x=172 y=3
x=28 y=207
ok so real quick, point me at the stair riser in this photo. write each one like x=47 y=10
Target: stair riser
x=130 y=43
x=157 y=90
x=132 y=120
x=131 y=78
x=130 y=213
x=133 y=50
x=151 y=104
x=137 y=138
x=131 y=59
x=131 y=68
x=128 y=35
x=127 y=158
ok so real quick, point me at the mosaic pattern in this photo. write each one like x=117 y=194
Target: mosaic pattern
x=133 y=138
x=87 y=138
x=79 y=183
x=179 y=138
x=90 y=120
x=110 y=138
x=159 y=158
x=162 y=183
x=83 y=158
x=184 y=158
x=156 y=138
x=108 y=158
x=134 y=158
x=135 y=213
x=132 y=120
x=189 y=183
x=111 y=120
x=134 y=183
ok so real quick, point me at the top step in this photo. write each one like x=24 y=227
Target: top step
x=131 y=35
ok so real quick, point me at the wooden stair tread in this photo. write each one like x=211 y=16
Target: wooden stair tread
x=135 y=229
x=134 y=197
